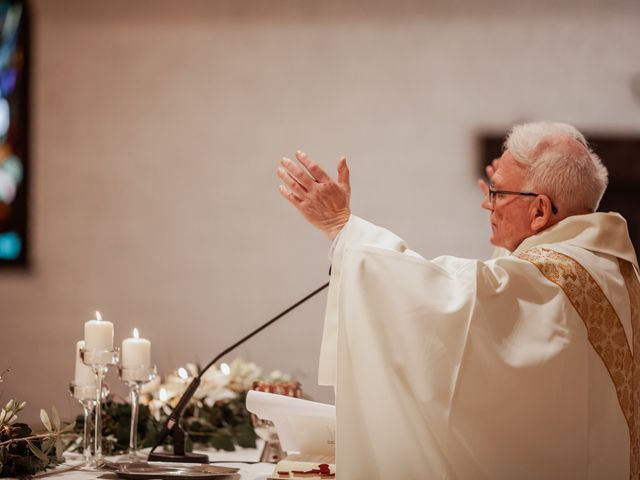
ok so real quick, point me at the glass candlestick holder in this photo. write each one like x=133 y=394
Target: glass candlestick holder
x=134 y=377
x=86 y=397
x=99 y=361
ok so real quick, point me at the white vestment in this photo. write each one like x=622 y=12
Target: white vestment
x=462 y=369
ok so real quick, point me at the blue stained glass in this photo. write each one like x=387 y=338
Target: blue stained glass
x=6 y=52
x=14 y=58
x=8 y=79
x=10 y=246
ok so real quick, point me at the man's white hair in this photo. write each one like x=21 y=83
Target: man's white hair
x=560 y=164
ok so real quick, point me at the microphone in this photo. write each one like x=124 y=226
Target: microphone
x=172 y=424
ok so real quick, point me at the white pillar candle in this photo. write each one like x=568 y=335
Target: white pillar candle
x=83 y=375
x=136 y=352
x=98 y=334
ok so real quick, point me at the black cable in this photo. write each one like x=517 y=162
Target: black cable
x=176 y=414
x=259 y=329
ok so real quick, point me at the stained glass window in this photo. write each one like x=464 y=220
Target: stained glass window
x=13 y=133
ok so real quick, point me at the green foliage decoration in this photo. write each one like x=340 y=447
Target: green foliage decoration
x=116 y=422
x=223 y=426
x=23 y=452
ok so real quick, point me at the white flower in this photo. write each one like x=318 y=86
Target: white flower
x=157 y=406
x=244 y=373
x=222 y=394
x=278 y=376
x=192 y=369
x=213 y=383
x=174 y=389
x=152 y=386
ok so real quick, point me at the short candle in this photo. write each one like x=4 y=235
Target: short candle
x=136 y=352
x=84 y=374
x=98 y=334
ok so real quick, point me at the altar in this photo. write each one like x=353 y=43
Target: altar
x=246 y=460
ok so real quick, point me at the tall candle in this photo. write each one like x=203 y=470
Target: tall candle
x=98 y=334
x=83 y=375
x=136 y=352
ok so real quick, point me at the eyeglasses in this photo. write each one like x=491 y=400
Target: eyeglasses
x=493 y=193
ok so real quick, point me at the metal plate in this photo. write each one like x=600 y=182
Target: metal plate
x=143 y=470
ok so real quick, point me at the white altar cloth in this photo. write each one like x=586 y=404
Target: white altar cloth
x=257 y=471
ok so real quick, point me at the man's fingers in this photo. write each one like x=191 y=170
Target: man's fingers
x=286 y=193
x=290 y=183
x=297 y=173
x=344 y=175
x=489 y=170
x=314 y=169
x=483 y=186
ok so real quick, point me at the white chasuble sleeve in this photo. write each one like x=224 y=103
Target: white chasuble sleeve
x=453 y=368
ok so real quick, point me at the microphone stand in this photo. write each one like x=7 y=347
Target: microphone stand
x=172 y=425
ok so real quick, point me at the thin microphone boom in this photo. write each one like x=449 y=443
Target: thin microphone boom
x=172 y=425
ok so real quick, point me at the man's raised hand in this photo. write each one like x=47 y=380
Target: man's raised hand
x=323 y=202
x=489 y=170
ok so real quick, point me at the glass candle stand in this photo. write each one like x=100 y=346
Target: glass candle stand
x=99 y=361
x=134 y=378
x=86 y=397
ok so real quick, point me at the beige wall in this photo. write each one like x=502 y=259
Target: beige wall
x=157 y=127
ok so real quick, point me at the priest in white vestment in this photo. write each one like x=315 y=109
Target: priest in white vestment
x=521 y=367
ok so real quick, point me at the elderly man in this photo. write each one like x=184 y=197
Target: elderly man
x=521 y=367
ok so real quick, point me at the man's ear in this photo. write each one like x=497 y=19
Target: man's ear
x=540 y=213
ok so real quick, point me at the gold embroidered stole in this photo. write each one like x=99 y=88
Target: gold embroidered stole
x=604 y=330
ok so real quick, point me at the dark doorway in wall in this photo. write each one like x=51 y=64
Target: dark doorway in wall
x=621 y=155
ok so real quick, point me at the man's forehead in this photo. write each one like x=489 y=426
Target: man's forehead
x=508 y=172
